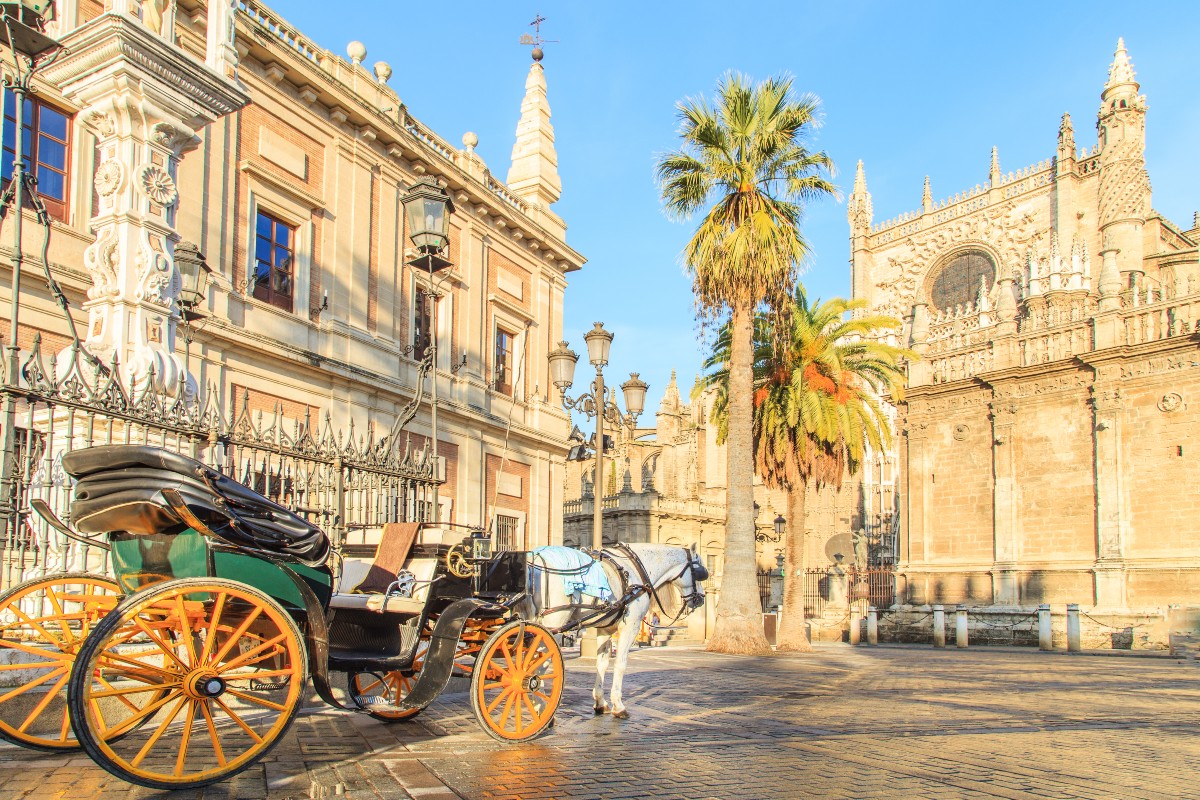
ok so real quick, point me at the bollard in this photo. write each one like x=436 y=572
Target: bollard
x=960 y=626
x=939 y=626
x=872 y=625
x=1045 y=632
x=1073 y=628
x=855 y=625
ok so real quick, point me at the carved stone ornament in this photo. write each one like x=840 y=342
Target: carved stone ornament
x=101 y=260
x=960 y=431
x=156 y=183
x=157 y=279
x=101 y=123
x=109 y=177
x=1170 y=402
x=165 y=134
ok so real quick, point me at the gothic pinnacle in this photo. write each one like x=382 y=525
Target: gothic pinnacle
x=860 y=180
x=927 y=197
x=1121 y=69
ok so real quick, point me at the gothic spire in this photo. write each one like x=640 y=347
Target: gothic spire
x=927 y=197
x=533 y=175
x=858 y=209
x=994 y=170
x=1121 y=69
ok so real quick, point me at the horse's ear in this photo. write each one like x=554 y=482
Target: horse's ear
x=694 y=548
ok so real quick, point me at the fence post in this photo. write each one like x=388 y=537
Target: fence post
x=872 y=625
x=1045 y=632
x=960 y=626
x=855 y=624
x=1073 y=628
x=939 y=626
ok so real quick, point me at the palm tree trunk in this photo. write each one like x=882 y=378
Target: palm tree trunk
x=793 y=634
x=738 y=627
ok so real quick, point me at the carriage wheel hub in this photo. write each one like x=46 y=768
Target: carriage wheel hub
x=532 y=683
x=207 y=685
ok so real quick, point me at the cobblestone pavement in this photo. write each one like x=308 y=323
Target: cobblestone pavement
x=886 y=722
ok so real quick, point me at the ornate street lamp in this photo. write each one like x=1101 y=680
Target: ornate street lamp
x=778 y=529
x=194 y=274
x=594 y=404
x=22 y=26
x=427 y=209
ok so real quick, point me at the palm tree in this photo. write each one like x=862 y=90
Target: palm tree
x=743 y=160
x=816 y=413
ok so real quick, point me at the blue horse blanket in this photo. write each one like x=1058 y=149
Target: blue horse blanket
x=579 y=571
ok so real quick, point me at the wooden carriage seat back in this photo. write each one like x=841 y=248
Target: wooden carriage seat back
x=395 y=545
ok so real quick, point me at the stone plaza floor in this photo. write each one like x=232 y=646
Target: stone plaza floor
x=881 y=722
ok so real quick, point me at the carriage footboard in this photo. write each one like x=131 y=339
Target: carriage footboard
x=439 y=661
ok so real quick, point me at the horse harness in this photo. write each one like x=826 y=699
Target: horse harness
x=611 y=611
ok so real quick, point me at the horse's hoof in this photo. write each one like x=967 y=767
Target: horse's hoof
x=622 y=714
x=598 y=710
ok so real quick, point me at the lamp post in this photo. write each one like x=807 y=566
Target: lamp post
x=778 y=528
x=427 y=208
x=594 y=404
x=21 y=28
x=194 y=274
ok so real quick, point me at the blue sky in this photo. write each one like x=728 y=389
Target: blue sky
x=911 y=89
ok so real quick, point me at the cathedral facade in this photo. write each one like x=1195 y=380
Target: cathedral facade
x=1052 y=423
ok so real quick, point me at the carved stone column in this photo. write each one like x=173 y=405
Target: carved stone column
x=1112 y=515
x=1005 y=584
x=144 y=99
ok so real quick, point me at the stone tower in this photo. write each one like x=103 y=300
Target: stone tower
x=858 y=213
x=1124 y=192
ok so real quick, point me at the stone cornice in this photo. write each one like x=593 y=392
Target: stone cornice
x=112 y=43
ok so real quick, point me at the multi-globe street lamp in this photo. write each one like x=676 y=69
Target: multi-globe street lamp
x=595 y=404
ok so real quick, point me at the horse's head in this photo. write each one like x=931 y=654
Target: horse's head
x=692 y=579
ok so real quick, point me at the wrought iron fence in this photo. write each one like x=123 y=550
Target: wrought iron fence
x=341 y=480
x=876 y=585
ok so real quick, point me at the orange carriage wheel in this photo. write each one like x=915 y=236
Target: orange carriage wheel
x=517 y=682
x=43 y=623
x=216 y=666
x=367 y=689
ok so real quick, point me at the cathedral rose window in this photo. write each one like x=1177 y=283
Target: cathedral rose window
x=958 y=281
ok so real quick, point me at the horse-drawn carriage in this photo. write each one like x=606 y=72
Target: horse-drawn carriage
x=191 y=665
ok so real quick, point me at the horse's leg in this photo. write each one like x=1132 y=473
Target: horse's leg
x=603 y=645
x=630 y=623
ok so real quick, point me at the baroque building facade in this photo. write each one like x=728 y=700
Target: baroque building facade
x=222 y=125
x=1050 y=428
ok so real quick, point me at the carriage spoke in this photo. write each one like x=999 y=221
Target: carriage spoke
x=249 y=698
x=212 y=733
x=149 y=687
x=166 y=650
x=135 y=720
x=237 y=635
x=205 y=651
x=244 y=658
x=50 y=695
x=25 y=686
x=185 y=738
x=492 y=705
x=185 y=629
x=35 y=651
x=162 y=728
x=241 y=723
x=37 y=626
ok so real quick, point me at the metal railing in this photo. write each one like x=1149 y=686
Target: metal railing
x=340 y=479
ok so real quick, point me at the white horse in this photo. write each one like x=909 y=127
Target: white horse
x=638 y=573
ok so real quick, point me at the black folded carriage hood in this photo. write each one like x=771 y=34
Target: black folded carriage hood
x=119 y=488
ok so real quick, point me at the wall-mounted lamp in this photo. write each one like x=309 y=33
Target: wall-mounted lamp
x=316 y=310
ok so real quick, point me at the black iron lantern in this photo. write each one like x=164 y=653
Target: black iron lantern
x=23 y=25
x=193 y=272
x=427 y=208
x=780 y=526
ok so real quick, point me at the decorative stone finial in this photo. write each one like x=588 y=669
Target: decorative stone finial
x=538 y=54
x=860 y=179
x=994 y=170
x=533 y=174
x=383 y=70
x=1121 y=69
x=470 y=140
x=357 y=52
x=927 y=197
x=1066 y=134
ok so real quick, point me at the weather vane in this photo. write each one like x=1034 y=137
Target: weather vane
x=535 y=39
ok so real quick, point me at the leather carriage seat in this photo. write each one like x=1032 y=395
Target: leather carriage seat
x=394 y=553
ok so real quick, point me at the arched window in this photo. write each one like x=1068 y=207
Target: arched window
x=959 y=280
